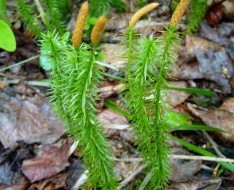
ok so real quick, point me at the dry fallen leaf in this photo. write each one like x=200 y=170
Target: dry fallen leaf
x=213 y=63
x=112 y=55
x=49 y=161
x=57 y=182
x=109 y=118
x=220 y=118
x=27 y=121
x=205 y=184
x=176 y=97
x=184 y=170
x=228 y=105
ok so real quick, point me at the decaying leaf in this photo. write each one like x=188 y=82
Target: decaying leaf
x=205 y=184
x=220 y=118
x=108 y=118
x=175 y=97
x=54 y=183
x=213 y=63
x=27 y=121
x=10 y=166
x=49 y=161
x=184 y=170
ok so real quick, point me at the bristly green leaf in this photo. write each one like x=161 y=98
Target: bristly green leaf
x=204 y=152
x=47 y=62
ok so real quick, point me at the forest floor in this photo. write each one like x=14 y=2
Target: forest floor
x=34 y=147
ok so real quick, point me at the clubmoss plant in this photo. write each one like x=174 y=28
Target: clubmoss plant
x=147 y=73
x=74 y=82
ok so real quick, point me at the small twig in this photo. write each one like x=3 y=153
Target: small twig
x=183 y=157
x=106 y=65
x=204 y=167
x=128 y=159
x=206 y=158
x=41 y=11
x=216 y=170
x=145 y=181
x=215 y=146
x=19 y=63
x=81 y=181
x=38 y=83
x=132 y=176
x=73 y=148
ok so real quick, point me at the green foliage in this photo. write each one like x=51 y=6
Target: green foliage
x=74 y=81
x=30 y=19
x=197 y=13
x=173 y=5
x=47 y=61
x=100 y=7
x=3 y=12
x=55 y=12
x=199 y=91
x=141 y=3
x=7 y=37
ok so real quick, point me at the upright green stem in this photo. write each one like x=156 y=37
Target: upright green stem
x=160 y=75
x=130 y=51
x=87 y=81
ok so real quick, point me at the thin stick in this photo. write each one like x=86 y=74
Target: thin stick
x=19 y=63
x=145 y=181
x=128 y=159
x=40 y=10
x=215 y=146
x=183 y=157
x=107 y=65
x=132 y=176
x=73 y=148
x=81 y=181
x=206 y=158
